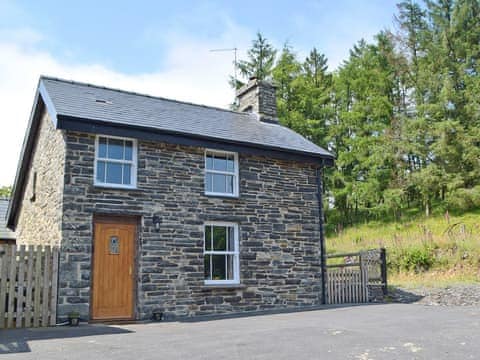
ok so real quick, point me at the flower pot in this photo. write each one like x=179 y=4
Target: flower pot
x=74 y=318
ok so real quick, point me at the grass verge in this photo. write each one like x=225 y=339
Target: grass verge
x=436 y=251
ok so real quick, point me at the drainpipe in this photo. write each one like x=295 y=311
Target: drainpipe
x=323 y=255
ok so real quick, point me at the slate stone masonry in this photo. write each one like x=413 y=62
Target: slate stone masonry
x=277 y=214
x=39 y=222
x=258 y=96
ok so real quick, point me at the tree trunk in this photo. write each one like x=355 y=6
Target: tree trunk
x=427 y=208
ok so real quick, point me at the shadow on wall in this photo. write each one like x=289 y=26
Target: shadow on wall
x=16 y=340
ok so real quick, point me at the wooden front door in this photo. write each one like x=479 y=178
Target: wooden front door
x=113 y=270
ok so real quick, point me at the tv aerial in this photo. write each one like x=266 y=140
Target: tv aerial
x=234 y=50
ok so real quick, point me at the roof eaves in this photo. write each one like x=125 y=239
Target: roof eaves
x=93 y=126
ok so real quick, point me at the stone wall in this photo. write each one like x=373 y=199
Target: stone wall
x=40 y=213
x=376 y=293
x=277 y=214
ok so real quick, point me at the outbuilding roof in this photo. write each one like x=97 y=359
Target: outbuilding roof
x=5 y=234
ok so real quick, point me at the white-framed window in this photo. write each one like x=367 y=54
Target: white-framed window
x=115 y=162
x=221 y=261
x=221 y=173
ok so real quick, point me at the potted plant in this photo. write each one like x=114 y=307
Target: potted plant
x=74 y=318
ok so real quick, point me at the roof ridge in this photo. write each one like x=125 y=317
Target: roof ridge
x=81 y=83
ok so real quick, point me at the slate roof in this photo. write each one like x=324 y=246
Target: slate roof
x=4 y=232
x=86 y=101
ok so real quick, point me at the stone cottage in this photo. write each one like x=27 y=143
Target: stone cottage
x=165 y=206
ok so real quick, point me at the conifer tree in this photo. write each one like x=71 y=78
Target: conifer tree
x=261 y=59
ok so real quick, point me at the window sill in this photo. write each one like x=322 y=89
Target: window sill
x=114 y=187
x=224 y=286
x=220 y=195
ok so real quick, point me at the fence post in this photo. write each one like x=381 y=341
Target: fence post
x=4 y=252
x=363 y=279
x=383 y=264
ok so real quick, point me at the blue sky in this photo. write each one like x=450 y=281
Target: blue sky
x=159 y=47
x=134 y=36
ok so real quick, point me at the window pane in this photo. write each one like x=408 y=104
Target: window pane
x=206 y=266
x=101 y=171
x=229 y=184
x=209 y=164
x=230 y=267
x=208 y=182
x=128 y=150
x=219 y=183
x=114 y=173
x=220 y=163
x=218 y=264
x=230 y=163
x=102 y=147
x=219 y=238
x=127 y=173
x=208 y=237
x=115 y=149
x=231 y=239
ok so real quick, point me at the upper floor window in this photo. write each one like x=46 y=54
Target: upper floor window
x=221 y=173
x=115 y=162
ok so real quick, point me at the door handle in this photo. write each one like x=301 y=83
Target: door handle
x=130 y=270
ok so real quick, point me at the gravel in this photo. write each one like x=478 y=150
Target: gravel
x=458 y=295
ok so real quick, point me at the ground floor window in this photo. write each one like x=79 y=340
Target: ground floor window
x=221 y=253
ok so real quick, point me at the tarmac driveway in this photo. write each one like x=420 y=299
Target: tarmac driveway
x=392 y=331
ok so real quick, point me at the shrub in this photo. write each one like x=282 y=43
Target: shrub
x=416 y=258
x=464 y=199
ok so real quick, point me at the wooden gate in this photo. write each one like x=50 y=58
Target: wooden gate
x=28 y=286
x=356 y=277
x=346 y=286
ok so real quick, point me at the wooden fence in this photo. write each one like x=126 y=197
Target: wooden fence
x=28 y=286
x=357 y=277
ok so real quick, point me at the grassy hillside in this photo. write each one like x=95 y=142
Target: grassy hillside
x=434 y=251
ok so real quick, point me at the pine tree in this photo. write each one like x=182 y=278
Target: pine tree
x=285 y=73
x=315 y=68
x=261 y=59
x=316 y=104
x=364 y=91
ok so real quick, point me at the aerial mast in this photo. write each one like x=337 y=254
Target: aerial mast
x=234 y=49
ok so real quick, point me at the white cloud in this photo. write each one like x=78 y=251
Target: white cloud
x=192 y=73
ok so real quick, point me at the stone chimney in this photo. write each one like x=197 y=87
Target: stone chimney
x=258 y=96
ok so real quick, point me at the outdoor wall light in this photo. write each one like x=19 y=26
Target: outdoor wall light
x=156 y=223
